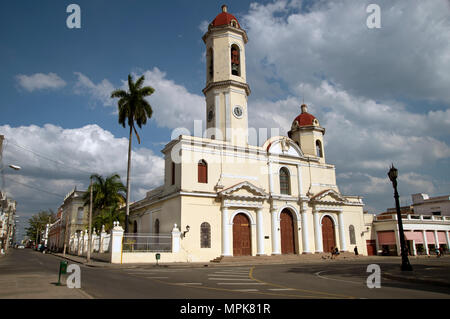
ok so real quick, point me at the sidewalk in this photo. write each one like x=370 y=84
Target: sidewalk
x=430 y=270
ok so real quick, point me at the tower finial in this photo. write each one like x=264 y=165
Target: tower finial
x=224 y=8
x=304 y=108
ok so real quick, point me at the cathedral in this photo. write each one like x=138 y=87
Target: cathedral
x=230 y=198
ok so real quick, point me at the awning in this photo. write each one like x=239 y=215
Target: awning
x=417 y=236
x=442 y=238
x=386 y=238
x=430 y=238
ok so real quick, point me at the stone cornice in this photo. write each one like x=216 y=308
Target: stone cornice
x=225 y=84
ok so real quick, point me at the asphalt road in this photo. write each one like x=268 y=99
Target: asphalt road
x=340 y=280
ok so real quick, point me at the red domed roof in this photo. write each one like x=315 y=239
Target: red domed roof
x=224 y=18
x=305 y=118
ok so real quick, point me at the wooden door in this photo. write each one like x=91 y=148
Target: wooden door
x=328 y=235
x=287 y=232
x=241 y=236
x=371 y=247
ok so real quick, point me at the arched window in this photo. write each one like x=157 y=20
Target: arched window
x=173 y=173
x=352 y=235
x=319 y=149
x=202 y=172
x=285 y=187
x=205 y=235
x=210 y=60
x=235 y=60
x=157 y=230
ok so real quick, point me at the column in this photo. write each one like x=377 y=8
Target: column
x=436 y=239
x=343 y=242
x=414 y=252
x=448 y=241
x=176 y=239
x=116 y=244
x=299 y=179
x=275 y=234
x=317 y=232
x=269 y=165
x=305 y=233
x=226 y=251
x=259 y=231
x=425 y=242
x=397 y=241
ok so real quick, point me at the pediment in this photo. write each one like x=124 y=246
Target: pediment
x=328 y=196
x=244 y=190
x=282 y=145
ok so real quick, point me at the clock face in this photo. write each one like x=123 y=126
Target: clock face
x=210 y=115
x=237 y=111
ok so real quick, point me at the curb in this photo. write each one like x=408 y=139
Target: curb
x=416 y=280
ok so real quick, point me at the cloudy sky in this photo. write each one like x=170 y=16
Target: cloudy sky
x=383 y=95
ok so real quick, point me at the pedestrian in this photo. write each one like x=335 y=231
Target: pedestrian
x=441 y=251
x=356 y=250
x=336 y=252
x=438 y=253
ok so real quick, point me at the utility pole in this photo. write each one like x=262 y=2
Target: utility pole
x=90 y=226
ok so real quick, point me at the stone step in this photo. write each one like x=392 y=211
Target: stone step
x=280 y=258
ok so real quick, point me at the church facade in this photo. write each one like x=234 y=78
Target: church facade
x=230 y=198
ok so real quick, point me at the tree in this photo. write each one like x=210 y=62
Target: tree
x=108 y=194
x=38 y=222
x=133 y=108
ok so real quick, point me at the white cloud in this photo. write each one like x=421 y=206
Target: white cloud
x=40 y=81
x=100 y=92
x=66 y=158
x=409 y=56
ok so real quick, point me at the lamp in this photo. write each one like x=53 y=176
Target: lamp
x=186 y=231
x=393 y=174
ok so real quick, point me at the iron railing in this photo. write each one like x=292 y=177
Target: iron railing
x=147 y=243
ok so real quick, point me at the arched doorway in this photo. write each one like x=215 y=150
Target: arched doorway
x=241 y=236
x=328 y=234
x=287 y=232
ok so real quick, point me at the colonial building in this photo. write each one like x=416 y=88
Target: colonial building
x=426 y=225
x=72 y=217
x=231 y=198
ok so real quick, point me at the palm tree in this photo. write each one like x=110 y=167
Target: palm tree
x=107 y=195
x=133 y=108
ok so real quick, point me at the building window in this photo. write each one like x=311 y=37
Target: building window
x=319 y=149
x=285 y=187
x=352 y=235
x=157 y=231
x=210 y=64
x=235 y=60
x=135 y=227
x=80 y=214
x=173 y=173
x=202 y=172
x=205 y=235
x=436 y=213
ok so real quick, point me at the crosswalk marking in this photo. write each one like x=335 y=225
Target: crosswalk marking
x=157 y=277
x=237 y=279
x=280 y=289
x=189 y=283
x=240 y=283
x=245 y=289
x=226 y=275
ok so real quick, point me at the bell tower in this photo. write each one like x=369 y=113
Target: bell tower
x=226 y=89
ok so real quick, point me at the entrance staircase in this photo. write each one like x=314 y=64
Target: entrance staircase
x=281 y=259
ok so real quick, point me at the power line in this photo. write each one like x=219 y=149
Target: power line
x=47 y=158
x=34 y=187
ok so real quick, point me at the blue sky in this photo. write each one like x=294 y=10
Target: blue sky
x=381 y=94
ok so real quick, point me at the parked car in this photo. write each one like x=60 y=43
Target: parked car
x=21 y=246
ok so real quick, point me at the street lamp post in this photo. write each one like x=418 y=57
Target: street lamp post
x=406 y=266
x=88 y=255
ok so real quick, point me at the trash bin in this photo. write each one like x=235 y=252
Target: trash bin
x=62 y=270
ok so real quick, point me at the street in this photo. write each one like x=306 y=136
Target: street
x=29 y=274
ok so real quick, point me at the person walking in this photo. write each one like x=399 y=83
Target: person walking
x=336 y=252
x=356 y=250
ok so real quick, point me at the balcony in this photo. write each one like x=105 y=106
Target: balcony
x=411 y=217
